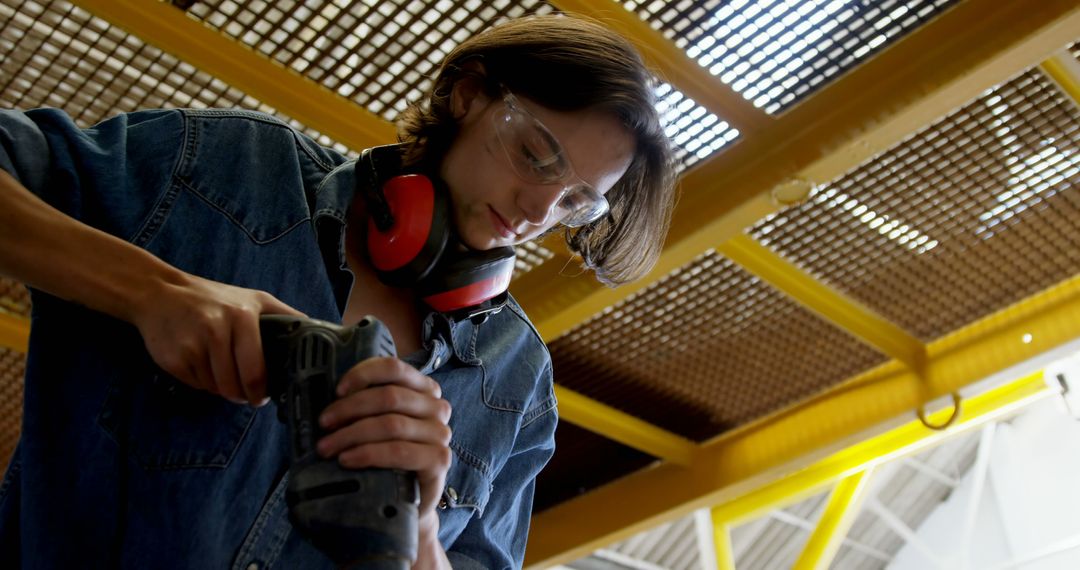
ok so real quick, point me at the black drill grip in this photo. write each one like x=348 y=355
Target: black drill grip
x=363 y=518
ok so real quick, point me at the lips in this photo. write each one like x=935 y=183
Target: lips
x=502 y=227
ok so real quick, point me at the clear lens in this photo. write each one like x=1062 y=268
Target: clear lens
x=531 y=149
x=580 y=205
x=536 y=156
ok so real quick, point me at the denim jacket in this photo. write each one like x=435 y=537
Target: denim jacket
x=120 y=465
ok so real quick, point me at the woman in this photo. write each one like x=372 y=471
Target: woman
x=155 y=240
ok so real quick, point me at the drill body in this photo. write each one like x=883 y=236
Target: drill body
x=364 y=518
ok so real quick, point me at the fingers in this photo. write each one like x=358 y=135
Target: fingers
x=389 y=415
x=386 y=370
x=251 y=368
x=388 y=399
x=429 y=462
x=382 y=429
x=225 y=379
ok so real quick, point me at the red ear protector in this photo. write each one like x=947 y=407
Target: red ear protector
x=411 y=242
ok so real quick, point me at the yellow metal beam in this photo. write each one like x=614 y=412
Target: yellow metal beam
x=905 y=440
x=725 y=553
x=778 y=446
x=14 y=332
x=623 y=428
x=1064 y=69
x=831 y=305
x=933 y=70
x=844 y=505
x=672 y=63
x=161 y=25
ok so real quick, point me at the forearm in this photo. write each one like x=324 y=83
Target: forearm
x=51 y=251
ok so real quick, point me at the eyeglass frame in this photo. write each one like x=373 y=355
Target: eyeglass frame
x=599 y=203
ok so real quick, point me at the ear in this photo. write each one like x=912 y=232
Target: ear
x=468 y=91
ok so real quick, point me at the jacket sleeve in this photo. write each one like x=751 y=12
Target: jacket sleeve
x=497 y=538
x=108 y=176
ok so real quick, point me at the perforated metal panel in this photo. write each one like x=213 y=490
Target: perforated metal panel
x=776 y=52
x=708 y=348
x=695 y=133
x=380 y=54
x=55 y=54
x=968 y=216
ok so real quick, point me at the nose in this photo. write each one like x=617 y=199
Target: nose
x=537 y=201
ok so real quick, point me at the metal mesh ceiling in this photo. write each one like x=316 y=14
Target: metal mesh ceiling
x=776 y=52
x=55 y=54
x=706 y=349
x=964 y=218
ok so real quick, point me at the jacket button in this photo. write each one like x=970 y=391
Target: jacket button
x=443 y=505
x=450 y=492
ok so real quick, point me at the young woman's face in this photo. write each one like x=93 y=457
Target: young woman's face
x=493 y=205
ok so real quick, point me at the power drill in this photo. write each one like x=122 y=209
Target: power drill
x=364 y=518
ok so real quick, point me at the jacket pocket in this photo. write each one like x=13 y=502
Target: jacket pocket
x=162 y=423
x=466 y=493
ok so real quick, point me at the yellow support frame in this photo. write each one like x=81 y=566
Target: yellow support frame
x=844 y=504
x=842 y=311
x=623 y=428
x=674 y=65
x=164 y=26
x=911 y=438
x=14 y=332
x=933 y=70
x=1065 y=71
x=770 y=450
x=725 y=552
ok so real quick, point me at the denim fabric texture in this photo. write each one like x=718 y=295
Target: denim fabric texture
x=120 y=465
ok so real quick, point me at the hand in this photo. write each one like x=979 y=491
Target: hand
x=389 y=415
x=206 y=334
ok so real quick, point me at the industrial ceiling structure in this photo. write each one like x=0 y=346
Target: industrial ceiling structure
x=879 y=209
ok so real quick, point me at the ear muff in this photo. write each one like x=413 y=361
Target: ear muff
x=405 y=252
x=410 y=239
x=468 y=278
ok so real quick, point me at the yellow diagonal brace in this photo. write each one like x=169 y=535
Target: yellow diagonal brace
x=673 y=64
x=14 y=332
x=844 y=504
x=1065 y=71
x=725 y=553
x=623 y=428
x=788 y=442
x=907 y=439
x=846 y=313
x=938 y=67
x=161 y=25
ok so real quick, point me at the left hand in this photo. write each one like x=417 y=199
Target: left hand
x=389 y=415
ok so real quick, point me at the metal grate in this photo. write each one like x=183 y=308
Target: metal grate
x=695 y=133
x=384 y=55
x=966 y=217
x=529 y=255
x=381 y=55
x=708 y=348
x=54 y=54
x=777 y=52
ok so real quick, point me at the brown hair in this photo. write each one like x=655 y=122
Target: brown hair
x=567 y=64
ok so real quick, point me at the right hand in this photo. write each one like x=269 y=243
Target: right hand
x=206 y=334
